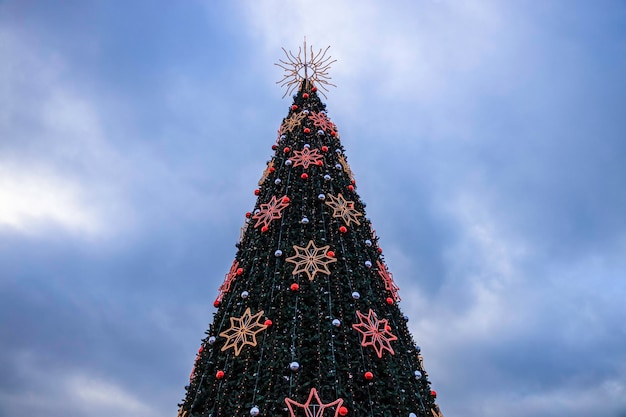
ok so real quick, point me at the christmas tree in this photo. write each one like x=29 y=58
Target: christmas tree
x=307 y=321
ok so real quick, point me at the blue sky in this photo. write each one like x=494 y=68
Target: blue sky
x=488 y=139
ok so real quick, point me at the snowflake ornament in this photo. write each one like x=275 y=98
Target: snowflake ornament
x=228 y=280
x=266 y=172
x=313 y=407
x=387 y=278
x=346 y=167
x=306 y=157
x=343 y=209
x=311 y=260
x=271 y=210
x=243 y=331
x=322 y=121
x=374 y=332
x=292 y=122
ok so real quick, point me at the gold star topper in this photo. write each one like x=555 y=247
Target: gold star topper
x=311 y=260
x=313 y=69
x=243 y=331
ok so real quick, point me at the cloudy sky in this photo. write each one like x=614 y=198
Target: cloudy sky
x=488 y=138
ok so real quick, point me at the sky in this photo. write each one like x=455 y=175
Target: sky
x=488 y=139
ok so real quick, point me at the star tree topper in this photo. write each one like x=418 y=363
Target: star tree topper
x=374 y=332
x=243 y=331
x=311 y=260
x=270 y=211
x=343 y=209
x=313 y=69
x=313 y=407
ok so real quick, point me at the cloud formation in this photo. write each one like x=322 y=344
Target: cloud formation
x=486 y=139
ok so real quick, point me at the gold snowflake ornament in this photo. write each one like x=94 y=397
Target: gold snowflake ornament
x=314 y=69
x=343 y=209
x=346 y=167
x=311 y=260
x=266 y=172
x=243 y=331
x=292 y=122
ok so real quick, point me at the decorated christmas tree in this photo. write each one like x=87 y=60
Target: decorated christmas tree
x=308 y=322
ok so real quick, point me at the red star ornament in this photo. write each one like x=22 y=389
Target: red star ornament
x=306 y=157
x=387 y=278
x=313 y=407
x=270 y=211
x=228 y=280
x=322 y=121
x=374 y=332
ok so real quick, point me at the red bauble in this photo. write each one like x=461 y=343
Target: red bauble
x=264 y=229
x=294 y=287
x=320 y=163
x=307 y=130
x=368 y=375
x=257 y=192
x=350 y=187
x=353 y=182
x=380 y=250
x=314 y=89
x=216 y=303
x=324 y=148
x=305 y=95
x=286 y=199
x=274 y=147
x=343 y=411
x=343 y=229
x=287 y=149
x=304 y=176
x=294 y=107
x=201 y=349
x=433 y=393
x=387 y=327
x=389 y=300
x=219 y=374
x=272 y=169
x=333 y=133
x=268 y=322
x=248 y=214
x=330 y=254
x=239 y=271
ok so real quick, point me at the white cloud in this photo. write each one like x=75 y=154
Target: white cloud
x=30 y=200
x=70 y=391
x=56 y=165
